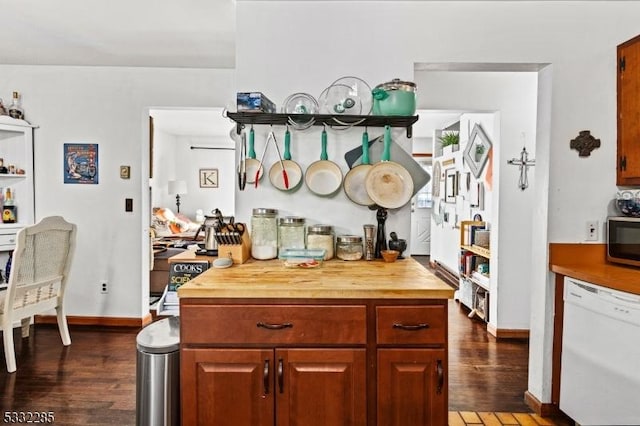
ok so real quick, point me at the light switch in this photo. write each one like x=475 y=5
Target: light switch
x=128 y=204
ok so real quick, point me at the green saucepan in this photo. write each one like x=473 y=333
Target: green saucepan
x=394 y=98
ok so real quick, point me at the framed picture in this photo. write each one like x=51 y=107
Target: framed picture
x=80 y=163
x=477 y=151
x=437 y=171
x=208 y=178
x=450 y=185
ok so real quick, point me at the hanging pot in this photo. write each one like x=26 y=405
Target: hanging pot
x=353 y=185
x=293 y=169
x=388 y=183
x=394 y=98
x=323 y=177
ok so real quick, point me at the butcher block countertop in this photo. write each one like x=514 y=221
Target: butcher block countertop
x=335 y=279
x=587 y=262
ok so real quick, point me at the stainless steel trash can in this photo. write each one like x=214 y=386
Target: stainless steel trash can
x=158 y=374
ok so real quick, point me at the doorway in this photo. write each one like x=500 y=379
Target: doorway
x=421 y=207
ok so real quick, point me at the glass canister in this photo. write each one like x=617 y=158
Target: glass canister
x=321 y=237
x=291 y=232
x=349 y=247
x=264 y=234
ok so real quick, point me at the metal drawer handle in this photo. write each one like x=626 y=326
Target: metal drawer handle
x=274 y=326
x=266 y=377
x=440 y=372
x=411 y=327
x=281 y=375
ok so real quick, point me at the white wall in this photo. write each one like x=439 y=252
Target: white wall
x=175 y=159
x=382 y=40
x=110 y=107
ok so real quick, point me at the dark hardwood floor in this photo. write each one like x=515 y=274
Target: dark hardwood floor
x=92 y=382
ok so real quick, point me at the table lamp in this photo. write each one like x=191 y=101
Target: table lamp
x=177 y=187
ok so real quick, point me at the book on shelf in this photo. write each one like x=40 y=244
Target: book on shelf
x=468 y=234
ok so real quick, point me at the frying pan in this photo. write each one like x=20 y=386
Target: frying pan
x=354 y=180
x=253 y=166
x=323 y=177
x=293 y=169
x=388 y=183
x=376 y=146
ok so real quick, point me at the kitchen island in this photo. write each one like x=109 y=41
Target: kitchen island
x=346 y=343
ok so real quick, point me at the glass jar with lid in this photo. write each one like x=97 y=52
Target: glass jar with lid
x=321 y=237
x=349 y=247
x=264 y=234
x=291 y=232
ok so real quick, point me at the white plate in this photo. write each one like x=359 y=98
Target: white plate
x=389 y=185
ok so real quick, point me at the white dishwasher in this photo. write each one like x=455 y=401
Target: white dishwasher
x=600 y=376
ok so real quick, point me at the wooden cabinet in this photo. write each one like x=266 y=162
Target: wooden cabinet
x=308 y=362
x=411 y=387
x=628 y=159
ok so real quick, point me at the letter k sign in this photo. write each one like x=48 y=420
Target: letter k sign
x=208 y=178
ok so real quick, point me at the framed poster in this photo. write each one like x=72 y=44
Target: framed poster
x=80 y=163
x=450 y=185
x=208 y=178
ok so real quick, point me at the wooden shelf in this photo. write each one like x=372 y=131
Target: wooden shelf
x=329 y=120
x=480 y=251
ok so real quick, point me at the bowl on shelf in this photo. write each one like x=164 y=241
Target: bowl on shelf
x=628 y=203
x=629 y=207
x=389 y=255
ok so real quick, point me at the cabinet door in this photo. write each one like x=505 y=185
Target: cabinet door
x=227 y=387
x=412 y=387
x=628 y=167
x=320 y=387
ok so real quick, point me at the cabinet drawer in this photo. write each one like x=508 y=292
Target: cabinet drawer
x=8 y=240
x=411 y=325
x=277 y=324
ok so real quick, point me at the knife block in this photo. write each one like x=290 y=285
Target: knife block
x=239 y=253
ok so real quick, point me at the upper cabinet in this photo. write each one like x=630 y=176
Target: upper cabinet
x=16 y=173
x=628 y=160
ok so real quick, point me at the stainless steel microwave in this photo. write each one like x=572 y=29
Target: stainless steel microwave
x=623 y=240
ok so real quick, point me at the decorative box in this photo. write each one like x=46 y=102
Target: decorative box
x=254 y=101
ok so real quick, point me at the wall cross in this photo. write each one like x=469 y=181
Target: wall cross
x=524 y=164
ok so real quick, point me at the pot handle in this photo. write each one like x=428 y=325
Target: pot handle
x=386 y=152
x=323 y=153
x=287 y=144
x=379 y=94
x=252 y=152
x=365 y=148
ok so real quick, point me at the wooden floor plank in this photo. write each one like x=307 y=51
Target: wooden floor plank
x=507 y=419
x=470 y=417
x=489 y=419
x=543 y=421
x=525 y=419
x=455 y=419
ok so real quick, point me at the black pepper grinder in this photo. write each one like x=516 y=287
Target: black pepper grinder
x=381 y=237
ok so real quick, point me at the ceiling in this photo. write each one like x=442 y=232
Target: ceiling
x=138 y=33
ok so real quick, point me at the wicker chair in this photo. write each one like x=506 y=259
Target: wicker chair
x=40 y=266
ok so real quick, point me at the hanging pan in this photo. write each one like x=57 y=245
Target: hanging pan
x=388 y=183
x=253 y=167
x=323 y=177
x=292 y=169
x=353 y=184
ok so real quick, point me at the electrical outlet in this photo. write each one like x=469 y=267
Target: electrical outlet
x=104 y=288
x=592 y=231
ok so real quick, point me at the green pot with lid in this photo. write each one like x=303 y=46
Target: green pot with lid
x=395 y=97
